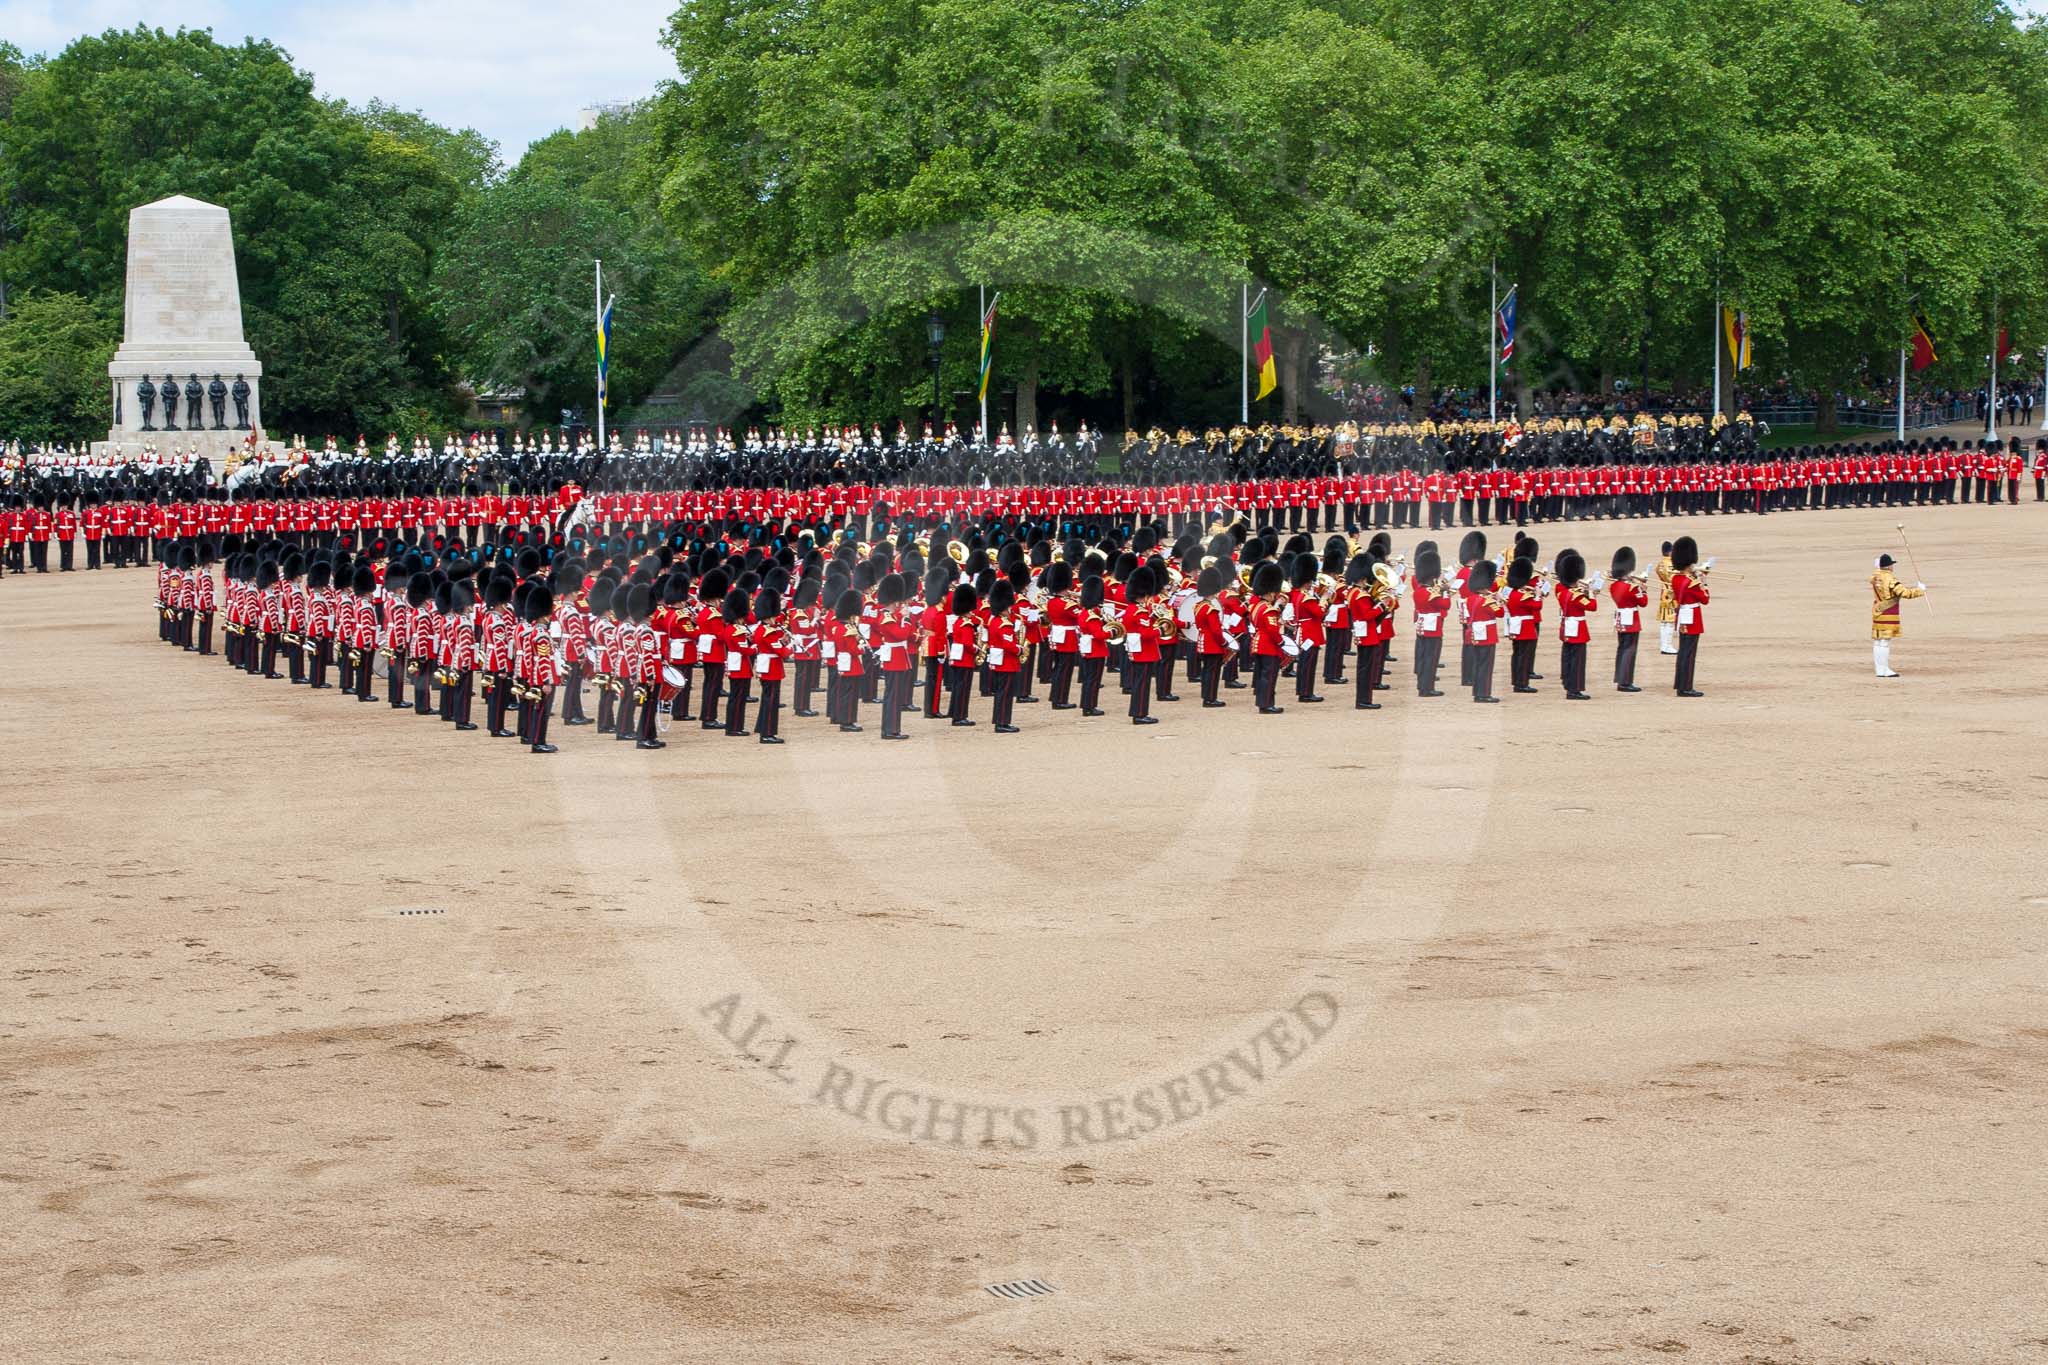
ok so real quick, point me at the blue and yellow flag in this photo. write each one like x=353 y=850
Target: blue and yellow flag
x=604 y=346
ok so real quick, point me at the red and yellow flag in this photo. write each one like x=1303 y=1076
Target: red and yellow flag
x=1262 y=348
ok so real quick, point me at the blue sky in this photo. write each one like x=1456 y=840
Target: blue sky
x=515 y=70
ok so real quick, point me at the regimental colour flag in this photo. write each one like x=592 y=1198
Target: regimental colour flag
x=1504 y=324
x=1261 y=333
x=604 y=347
x=1923 y=343
x=1737 y=326
x=988 y=343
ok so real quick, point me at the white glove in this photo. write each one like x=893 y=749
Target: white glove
x=1921 y=586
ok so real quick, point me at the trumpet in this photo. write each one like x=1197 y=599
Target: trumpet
x=956 y=550
x=1116 y=631
x=1167 y=622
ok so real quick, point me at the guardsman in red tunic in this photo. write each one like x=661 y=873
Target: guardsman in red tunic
x=1631 y=597
x=1062 y=630
x=1004 y=644
x=848 y=667
x=712 y=644
x=1268 y=624
x=1369 y=613
x=739 y=661
x=1524 y=622
x=1143 y=654
x=1212 y=643
x=1305 y=600
x=894 y=639
x=1431 y=599
x=1095 y=633
x=603 y=649
x=462 y=655
x=363 y=643
x=1575 y=606
x=65 y=524
x=771 y=646
x=963 y=649
x=541 y=666
x=1689 y=591
x=1483 y=612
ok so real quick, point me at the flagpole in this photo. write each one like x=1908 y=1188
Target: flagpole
x=1493 y=347
x=984 y=360
x=1991 y=408
x=1715 y=328
x=1244 y=354
x=1902 y=394
x=600 y=362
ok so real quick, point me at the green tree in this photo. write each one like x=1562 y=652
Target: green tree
x=54 y=350
x=336 y=218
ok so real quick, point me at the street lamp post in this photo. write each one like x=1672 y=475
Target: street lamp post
x=935 y=332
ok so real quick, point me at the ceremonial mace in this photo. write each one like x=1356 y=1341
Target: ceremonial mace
x=1913 y=560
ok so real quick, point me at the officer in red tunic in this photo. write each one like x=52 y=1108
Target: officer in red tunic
x=1212 y=643
x=771 y=646
x=1003 y=643
x=541 y=667
x=1143 y=638
x=1524 y=622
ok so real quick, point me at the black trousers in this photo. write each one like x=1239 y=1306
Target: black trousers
x=1688 y=659
x=1625 y=658
x=1212 y=676
x=1521 y=662
x=1265 y=679
x=1006 y=696
x=1063 y=677
x=806 y=682
x=959 y=689
x=1371 y=660
x=1305 y=671
x=736 y=705
x=1429 y=650
x=1091 y=682
x=1334 y=654
x=206 y=632
x=465 y=695
x=895 y=697
x=1138 y=676
x=768 y=716
x=714 y=688
x=1572 y=667
x=934 y=671
x=1481 y=671
x=847 y=688
x=394 y=686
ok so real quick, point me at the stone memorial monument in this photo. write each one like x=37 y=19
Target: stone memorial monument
x=182 y=351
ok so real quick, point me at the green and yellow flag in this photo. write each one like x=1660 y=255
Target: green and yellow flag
x=988 y=342
x=1262 y=348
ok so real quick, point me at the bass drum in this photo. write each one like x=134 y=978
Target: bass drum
x=673 y=676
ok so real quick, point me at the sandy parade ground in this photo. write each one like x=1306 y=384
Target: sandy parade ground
x=1636 y=1028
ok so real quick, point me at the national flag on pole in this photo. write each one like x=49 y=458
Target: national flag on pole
x=604 y=346
x=1737 y=325
x=1262 y=347
x=988 y=343
x=2004 y=344
x=1923 y=343
x=1504 y=324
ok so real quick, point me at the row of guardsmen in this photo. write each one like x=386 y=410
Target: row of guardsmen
x=717 y=635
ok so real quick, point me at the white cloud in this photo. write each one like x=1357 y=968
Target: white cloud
x=515 y=70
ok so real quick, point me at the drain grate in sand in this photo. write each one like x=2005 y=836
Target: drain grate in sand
x=403 y=913
x=1019 y=1289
